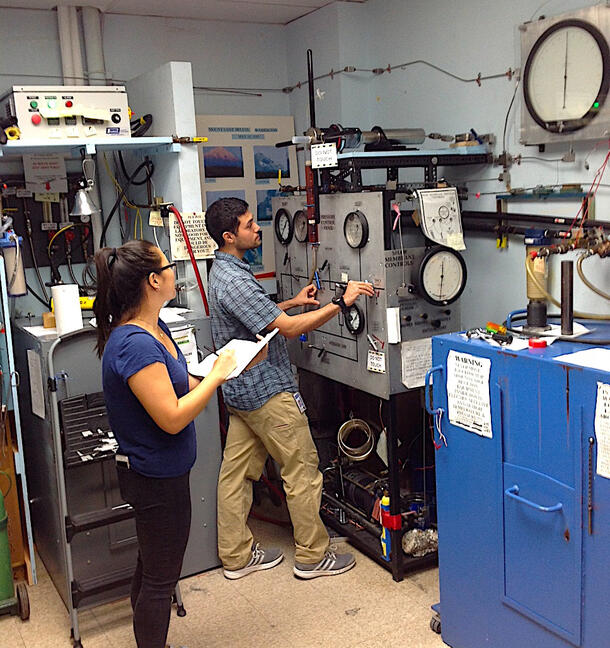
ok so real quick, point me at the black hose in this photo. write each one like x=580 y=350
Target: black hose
x=35 y=264
x=118 y=201
x=150 y=169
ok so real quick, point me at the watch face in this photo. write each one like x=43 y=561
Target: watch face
x=566 y=76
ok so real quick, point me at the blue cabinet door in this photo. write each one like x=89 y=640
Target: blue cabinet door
x=542 y=550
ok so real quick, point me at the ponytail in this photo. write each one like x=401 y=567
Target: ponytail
x=121 y=276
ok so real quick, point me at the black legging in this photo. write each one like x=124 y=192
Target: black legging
x=163 y=520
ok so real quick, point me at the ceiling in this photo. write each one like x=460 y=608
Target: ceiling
x=279 y=12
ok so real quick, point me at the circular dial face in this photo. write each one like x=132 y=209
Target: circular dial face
x=354 y=319
x=283 y=226
x=566 y=76
x=442 y=276
x=300 y=226
x=356 y=229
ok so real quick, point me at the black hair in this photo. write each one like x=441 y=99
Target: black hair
x=121 y=277
x=223 y=216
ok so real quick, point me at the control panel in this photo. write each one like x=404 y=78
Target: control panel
x=416 y=289
x=60 y=112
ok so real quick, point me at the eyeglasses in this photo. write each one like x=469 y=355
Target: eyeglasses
x=165 y=267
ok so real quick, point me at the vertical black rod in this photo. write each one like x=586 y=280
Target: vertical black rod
x=312 y=107
x=567 y=297
x=394 y=479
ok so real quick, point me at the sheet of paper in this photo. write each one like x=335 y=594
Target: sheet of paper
x=468 y=392
x=184 y=337
x=36 y=386
x=416 y=359
x=597 y=358
x=245 y=351
x=45 y=173
x=602 y=429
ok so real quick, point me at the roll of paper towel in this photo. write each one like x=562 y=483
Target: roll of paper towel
x=66 y=305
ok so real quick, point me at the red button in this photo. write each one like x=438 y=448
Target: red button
x=537 y=343
x=69 y=104
x=36 y=119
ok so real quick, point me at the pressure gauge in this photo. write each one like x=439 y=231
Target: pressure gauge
x=442 y=276
x=356 y=229
x=354 y=319
x=283 y=226
x=300 y=226
x=567 y=76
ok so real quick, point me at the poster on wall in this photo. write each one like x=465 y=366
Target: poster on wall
x=240 y=160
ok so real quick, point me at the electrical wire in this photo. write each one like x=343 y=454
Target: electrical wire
x=150 y=169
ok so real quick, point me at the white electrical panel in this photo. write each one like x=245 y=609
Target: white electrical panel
x=65 y=112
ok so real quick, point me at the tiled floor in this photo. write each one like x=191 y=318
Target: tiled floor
x=363 y=608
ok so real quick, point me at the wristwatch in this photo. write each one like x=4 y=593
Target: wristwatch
x=340 y=302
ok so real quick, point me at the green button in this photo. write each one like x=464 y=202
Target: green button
x=52 y=103
x=33 y=104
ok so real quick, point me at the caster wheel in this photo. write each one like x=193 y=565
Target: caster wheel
x=180 y=611
x=23 y=601
x=435 y=625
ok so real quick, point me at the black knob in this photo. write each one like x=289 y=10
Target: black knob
x=436 y=323
x=424 y=316
x=407 y=318
x=116 y=118
x=447 y=311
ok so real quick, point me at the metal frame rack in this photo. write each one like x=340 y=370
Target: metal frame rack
x=348 y=178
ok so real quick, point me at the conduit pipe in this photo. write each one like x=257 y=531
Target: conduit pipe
x=94 y=50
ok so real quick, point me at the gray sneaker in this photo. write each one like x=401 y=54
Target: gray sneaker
x=260 y=559
x=331 y=565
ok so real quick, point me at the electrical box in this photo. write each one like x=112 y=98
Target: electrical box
x=63 y=112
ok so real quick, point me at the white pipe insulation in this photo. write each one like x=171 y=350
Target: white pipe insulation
x=65 y=44
x=77 y=54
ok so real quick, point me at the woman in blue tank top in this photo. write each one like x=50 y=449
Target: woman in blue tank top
x=151 y=401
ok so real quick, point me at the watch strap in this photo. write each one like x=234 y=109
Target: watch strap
x=340 y=303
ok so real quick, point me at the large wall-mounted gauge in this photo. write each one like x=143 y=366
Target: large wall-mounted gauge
x=283 y=226
x=356 y=229
x=300 y=226
x=441 y=276
x=566 y=77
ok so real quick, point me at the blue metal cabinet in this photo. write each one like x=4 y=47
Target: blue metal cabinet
x=518 y=565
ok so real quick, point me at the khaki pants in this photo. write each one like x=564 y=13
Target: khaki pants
x=277 y=428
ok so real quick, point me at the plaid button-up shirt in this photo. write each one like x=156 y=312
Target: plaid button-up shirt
x=240 y=308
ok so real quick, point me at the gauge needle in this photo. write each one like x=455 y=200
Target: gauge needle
x=565 y=74
x=440 y=290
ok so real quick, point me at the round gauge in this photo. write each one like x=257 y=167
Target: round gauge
x=356 y=229
x=300 y=226
x=354 y=319
x=283 y=226
x=567 y=76
x=442 y=276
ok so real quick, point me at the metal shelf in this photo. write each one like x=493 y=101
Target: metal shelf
x=73 y=147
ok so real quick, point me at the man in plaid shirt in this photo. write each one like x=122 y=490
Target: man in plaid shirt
x=266 y=411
